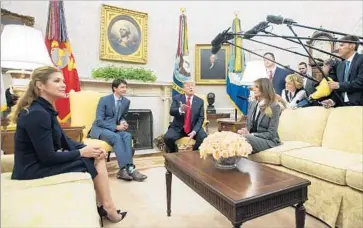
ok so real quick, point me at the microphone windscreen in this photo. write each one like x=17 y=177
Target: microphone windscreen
x=261 y=26
x=218 y=40
x=250 y=33
x=275 y=19
x=215 y=49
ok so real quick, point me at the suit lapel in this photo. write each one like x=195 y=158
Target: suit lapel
x=194 y=108
x=250 y=114
x=111 y=102
x=260 y=118
x=352 y=65
x=122 y=107
x=184 y=99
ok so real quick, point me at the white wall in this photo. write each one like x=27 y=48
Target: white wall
x=205 y=20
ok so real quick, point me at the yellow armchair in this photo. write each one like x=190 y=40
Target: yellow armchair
x=184 y=140
x=83 y=107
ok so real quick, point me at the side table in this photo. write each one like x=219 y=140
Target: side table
x=212 y=118
x=7 y=136
x=231 y=124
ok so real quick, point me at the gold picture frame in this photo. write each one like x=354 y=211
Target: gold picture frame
x=207 y=73
x=8 y=17
x=123 y=35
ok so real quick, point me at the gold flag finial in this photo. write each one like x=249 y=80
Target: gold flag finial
x=182 y=10
x=236 y=13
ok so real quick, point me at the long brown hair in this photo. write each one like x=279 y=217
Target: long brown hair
x=267 y=93
x=40 y=74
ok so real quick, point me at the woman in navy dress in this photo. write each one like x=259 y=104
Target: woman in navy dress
x=41 y=147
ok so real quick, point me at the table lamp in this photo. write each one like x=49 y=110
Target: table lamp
x=22 y=50
x=254 y=70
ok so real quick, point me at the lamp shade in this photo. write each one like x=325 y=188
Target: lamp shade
x=23 y=47
x=253 y=71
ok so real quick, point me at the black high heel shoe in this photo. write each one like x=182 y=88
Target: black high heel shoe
x=103 y=213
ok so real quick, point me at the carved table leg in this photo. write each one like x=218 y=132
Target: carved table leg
x=236 y=225
x=300 y=215
x=168 y=191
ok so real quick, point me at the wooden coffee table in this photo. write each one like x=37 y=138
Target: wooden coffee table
x=247 y=192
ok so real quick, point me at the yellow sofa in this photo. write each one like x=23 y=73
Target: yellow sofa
x=65 y=200
x=324 y=146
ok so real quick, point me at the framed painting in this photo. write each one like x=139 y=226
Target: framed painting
x=123 y=35
x=208 y=71
x=8 y=18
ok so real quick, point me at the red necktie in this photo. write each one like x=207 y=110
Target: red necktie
x=270 y=75
x=187 y=117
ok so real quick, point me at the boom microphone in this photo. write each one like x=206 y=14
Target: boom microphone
x=279 y=20
x=221 y=38
x=258 y=28
x=215 y=49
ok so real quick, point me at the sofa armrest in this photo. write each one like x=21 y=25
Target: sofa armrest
x=7 y=163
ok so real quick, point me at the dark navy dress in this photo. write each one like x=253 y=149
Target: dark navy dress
x=41 y=147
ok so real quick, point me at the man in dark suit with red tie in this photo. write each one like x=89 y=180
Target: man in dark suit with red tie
x=188 y=112
x=276 y=74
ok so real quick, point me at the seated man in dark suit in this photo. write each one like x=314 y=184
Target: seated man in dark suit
x=110 y=126
x=275 y=73
x=349 y=80
x=188 y=112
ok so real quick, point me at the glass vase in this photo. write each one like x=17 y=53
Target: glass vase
x=227 y=163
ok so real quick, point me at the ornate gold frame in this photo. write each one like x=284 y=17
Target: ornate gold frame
x=108 y=13
x=198 y=79
x=29 y=21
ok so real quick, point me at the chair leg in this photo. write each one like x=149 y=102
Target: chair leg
x=108 y=156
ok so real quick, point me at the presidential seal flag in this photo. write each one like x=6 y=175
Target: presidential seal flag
x=182 y=65
x=60 y=51
x=236 y=66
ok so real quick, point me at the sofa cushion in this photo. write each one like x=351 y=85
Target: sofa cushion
x=272 y=155
x=344 y=129
x=61 y=205
x=355 y=176
x=303 y=124
x=97 y=142
x=327 y=164
x=8 y=185
x=7 y=163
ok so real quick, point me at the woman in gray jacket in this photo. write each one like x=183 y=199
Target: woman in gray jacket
x=262 y=117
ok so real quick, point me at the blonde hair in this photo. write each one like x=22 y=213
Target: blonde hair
x=40 y=74
x=267 y=94
x=296 y=80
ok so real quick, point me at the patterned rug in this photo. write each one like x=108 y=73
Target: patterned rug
x=142 y=162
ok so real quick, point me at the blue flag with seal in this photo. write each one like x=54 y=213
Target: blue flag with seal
x=235 y=72
x=182 y=64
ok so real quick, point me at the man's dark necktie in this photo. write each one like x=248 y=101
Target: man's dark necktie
x=118 y=111
x=346 y=74
x=346 y=71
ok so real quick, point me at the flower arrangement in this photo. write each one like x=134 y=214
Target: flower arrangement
x=224 y=145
